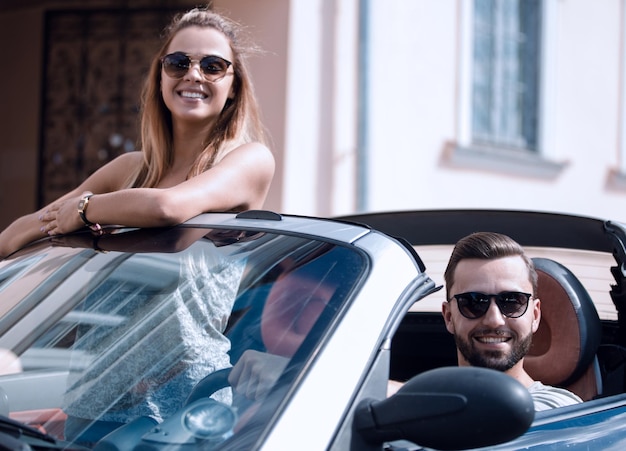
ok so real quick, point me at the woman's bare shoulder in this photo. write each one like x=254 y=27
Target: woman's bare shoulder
x=126 y=163
x=135 y=158
x=254 y=153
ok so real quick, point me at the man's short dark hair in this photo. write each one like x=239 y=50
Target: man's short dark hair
x=487 y=246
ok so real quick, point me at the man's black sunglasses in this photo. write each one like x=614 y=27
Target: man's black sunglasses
x=512 y=304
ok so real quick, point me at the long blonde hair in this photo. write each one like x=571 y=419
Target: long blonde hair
x=238 y=123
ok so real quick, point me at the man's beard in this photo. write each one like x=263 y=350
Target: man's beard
x=495 y=360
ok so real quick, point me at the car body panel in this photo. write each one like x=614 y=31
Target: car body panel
x=595 y=425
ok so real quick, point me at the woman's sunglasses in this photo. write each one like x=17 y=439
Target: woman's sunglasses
x=512 y=304
x=213 y=67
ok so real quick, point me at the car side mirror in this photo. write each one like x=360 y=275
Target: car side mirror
x=449 y=408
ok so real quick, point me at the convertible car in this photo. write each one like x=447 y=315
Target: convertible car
x=266 y=331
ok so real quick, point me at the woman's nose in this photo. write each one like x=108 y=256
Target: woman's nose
x=194 y=73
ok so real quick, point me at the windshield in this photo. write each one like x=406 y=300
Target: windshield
x=145 y=325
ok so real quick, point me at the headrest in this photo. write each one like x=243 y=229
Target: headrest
x=570 y=330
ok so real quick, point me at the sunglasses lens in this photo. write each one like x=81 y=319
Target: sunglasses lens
x=213 y=67
x=472 y=305
x=176 y=64
x=512 y=304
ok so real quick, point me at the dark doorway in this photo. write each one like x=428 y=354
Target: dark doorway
x=95 y=62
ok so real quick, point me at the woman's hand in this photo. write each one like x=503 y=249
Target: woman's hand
x=62 y=217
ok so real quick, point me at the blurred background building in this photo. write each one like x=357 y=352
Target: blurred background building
x=372 y=105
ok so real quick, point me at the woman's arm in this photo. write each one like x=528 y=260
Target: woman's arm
x=21 y=231
x=240 y=181
x=33 y=226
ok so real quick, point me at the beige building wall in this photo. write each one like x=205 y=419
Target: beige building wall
x=268 y=23
x=350 y=139
x=418 y=115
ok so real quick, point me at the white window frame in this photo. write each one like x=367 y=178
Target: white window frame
x=539 y=162
x=621 y=166
x=617 y=175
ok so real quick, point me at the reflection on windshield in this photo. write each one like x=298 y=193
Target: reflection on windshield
x=168 y=341
x=151 y=324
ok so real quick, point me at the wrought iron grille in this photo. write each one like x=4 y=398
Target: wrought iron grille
x=95 y=62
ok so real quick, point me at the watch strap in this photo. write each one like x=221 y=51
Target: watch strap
x=82 y=209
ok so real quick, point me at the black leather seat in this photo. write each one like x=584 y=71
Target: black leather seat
x=564 y=347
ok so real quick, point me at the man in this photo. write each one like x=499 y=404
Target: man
x=492 y=312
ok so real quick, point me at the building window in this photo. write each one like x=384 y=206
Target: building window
x=506 y=58
x=507 y=88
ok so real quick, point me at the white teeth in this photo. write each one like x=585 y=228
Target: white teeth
x=492 y=339
x=192 y=95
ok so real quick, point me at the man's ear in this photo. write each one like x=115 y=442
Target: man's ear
x=447 y=316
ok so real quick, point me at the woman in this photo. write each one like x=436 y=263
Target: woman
x=202 y=143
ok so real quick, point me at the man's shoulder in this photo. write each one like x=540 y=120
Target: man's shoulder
x=548 y=397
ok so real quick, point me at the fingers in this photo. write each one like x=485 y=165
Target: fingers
x=49 y=228
x=47 y=215
x=59 y=218
x=48 y=219
x=235 y=373
x=247 y=376
x=248 y=379
x=255 y=373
